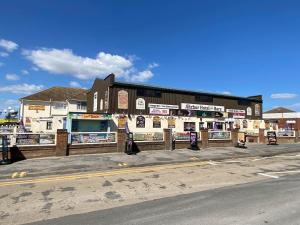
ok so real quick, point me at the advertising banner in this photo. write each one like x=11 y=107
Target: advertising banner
x=215 y=108
x=155 y=111
x=162 y=106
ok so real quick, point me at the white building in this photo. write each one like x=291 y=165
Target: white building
x=46 y=111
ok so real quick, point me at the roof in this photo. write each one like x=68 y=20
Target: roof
x=58 y=94
x=279 y=110
x=257 y=98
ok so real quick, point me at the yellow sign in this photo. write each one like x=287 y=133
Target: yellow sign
x=36 y=107
x=171 y=122
x=121 y=122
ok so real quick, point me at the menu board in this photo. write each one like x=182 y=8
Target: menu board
x=156 y=122
x=171 y=122
x=140 y=122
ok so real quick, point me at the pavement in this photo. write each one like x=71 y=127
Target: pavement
x=111 y=161
x=273 y=202
x=41 y=199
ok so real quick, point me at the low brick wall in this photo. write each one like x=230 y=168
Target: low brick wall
x=183 y=144
x=284 y=140
x=143 y=146
x=28 y=152
x=251 y=139
x=91 y=148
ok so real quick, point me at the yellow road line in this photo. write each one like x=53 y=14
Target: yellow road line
x=104 y=174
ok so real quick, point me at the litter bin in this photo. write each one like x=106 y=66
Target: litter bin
x=5 y=150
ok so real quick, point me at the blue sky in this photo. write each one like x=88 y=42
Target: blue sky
x=238 y=47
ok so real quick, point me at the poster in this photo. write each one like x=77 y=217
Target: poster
x=122 y=121
x=267 y=125
x=171 y=122
x=140 y=104
x=256 y=124
x=237 y=124
x=245 y=124
x=122 y=99
x=156 y=122
x=140 y=122
x=27 y=139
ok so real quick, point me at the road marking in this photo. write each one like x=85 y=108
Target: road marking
x=287 y=171
x=268 y=175
x=103 y=174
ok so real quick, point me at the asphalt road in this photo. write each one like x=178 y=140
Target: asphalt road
x=274 y=201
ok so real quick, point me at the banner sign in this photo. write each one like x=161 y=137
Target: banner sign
x=90 y=116
x=122 y=99
x=162 y=106
x=140 y=104
x=155 y=111
x=36 y=107
x=235 y=111
x=215 y=108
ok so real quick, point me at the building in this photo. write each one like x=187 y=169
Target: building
x=47 y=110
x=281 y=119
x=151 y=108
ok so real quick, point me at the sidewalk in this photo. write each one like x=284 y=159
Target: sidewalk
x=103 y=162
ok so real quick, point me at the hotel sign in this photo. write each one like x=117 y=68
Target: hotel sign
x=162 y=106
x=140 y=104
x=211 y=108
x=237 y=113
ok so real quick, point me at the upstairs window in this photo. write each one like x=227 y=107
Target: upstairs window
x=204 y=98
x=49 y=125
x=60 y=105
x=81 y=105
x=148 y=93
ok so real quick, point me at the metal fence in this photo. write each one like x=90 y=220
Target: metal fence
x=219 y=135
x=93 y=137
x=148 y=136
x=185 y=136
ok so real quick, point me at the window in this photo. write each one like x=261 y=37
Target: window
x=244 y=102
x=81 y=105
x=49 y=125
x=60 y=105
x=210 y=125
x=204 y=98
x=148 y=93
x=189 y=126
x=95 y=106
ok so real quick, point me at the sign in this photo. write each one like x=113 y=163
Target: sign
x=140 y=122
x=257 y=109
x=235 y=111
x=122 y=99
x=249 y=111
x=36 y=107
x=90 y=116
x=194 y=141
x=272 y=139
x=171 y=122
x=122 y=121
x=140 y=104
x=162 y=106
x=245 y=124
x=256 y=124
x=159 y=111
x=156 y=122
x=106 y=100
x=189 y=126
x=215 y=108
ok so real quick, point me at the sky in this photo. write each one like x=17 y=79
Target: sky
x=237 y=47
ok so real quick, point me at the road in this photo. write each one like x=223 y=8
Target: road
x=275 y=201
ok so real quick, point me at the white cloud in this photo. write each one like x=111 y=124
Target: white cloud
x=21 y=88
x=226 y=93
x=9 y=46
x=75 y=84
x=24 y=72
x=12 y=76
x=4 y=54
x=140 y=76
x=283 y=96
x=11 y=102
x=64 y=61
